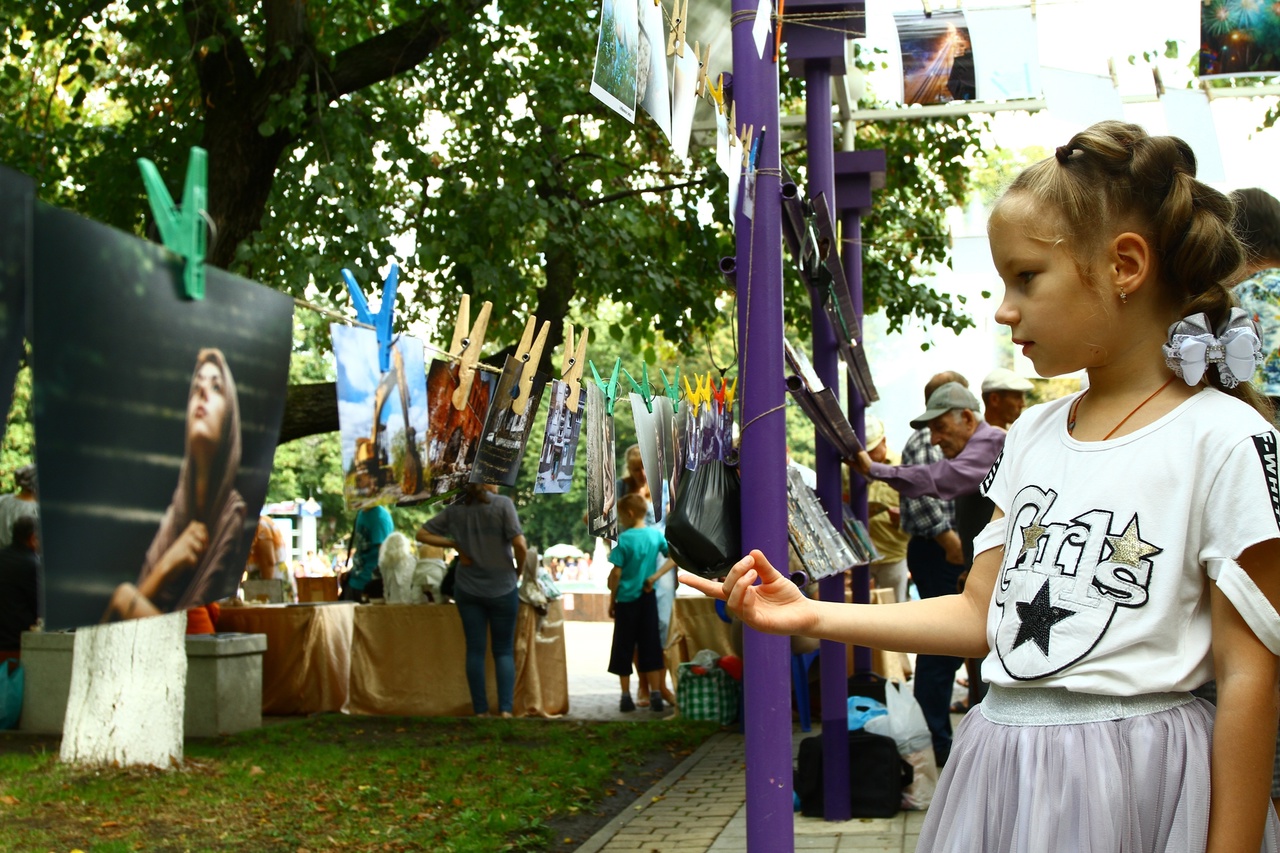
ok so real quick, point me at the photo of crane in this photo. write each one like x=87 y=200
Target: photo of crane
x=937 y=57
x=382 y=417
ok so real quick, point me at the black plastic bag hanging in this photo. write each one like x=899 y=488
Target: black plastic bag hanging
x=704 y=532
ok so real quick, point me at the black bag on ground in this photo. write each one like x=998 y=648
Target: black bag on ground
x=704 y=530
x=877 y=775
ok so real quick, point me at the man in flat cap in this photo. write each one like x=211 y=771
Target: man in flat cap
x=970 y=446
x=1004 y=396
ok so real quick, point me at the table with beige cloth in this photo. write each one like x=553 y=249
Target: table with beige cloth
x=394 y=659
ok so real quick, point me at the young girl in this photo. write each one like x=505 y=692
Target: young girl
x=1133 y=551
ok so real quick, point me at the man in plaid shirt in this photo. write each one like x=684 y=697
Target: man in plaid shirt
x=935 y=558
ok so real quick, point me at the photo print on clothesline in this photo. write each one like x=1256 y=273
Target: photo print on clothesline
x=382 y=418
x=506 y=429
x=156 y=422
x=937 y=57
x=1239 y=38
x=653 y=87
x=646 y=423
x=453 y=435
x=560 y=442
x=602 y=473
x=615 y=76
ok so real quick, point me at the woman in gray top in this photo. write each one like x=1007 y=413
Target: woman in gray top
x=485 y=531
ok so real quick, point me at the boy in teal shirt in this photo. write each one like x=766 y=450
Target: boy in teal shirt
x=633 y=604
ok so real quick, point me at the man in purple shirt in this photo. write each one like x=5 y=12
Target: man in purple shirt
x=969 y=446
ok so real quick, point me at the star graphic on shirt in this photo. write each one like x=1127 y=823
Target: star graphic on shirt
x=1038 y=616
x=1031 y=537
x=1128 y=548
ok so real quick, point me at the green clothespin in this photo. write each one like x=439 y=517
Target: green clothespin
x=646 y=390
x=182 y=230
x=672 y=387
x=609 y=390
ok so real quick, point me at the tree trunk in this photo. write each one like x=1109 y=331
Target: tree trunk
x=128 y=693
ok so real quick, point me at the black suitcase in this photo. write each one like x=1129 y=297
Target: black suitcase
x=877 y=776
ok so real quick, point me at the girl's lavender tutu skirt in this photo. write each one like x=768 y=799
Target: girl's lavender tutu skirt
x=1041 y=770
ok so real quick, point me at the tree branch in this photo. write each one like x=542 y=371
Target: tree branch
x=612 y=197
x=398 y=49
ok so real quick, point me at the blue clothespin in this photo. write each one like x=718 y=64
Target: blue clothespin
x=382 y=322
x=610 y=390
x=182 y=230
x=645 y=390
x=672 y=386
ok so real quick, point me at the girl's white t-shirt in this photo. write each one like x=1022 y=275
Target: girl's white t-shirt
x=1110 y=546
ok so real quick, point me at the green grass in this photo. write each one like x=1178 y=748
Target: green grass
x=342 y=783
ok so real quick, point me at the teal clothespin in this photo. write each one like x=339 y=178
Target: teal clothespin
x=382 y=321
x=672 y=387
x=182 y=230
x=610 y=390
x=646 y=390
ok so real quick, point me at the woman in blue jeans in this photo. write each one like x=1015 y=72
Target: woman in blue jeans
x=485 y=531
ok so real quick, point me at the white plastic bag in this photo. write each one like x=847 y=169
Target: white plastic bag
x=905 y=721
x=905 y=724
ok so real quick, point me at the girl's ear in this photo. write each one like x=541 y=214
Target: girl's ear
x=1131 y=262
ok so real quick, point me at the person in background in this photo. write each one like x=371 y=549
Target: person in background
x=19 y=584
x=364 y=581
x=19 y=504
x=890 y=571
x=636 y=482
x=970 y=446
x=485 y=531
x=1004 y=396
x=266 y=554
x=633 y=605
x=1258 y=225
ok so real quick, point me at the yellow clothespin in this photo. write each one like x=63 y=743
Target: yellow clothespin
x=733 y=124
x=529 y=352
x=705 y=392
x=717 y=93
x=748 y=132
x=466 y=348
x=1111 y=69
x=675 y=42
x=1033 y=10
x=729 y=393
x=693 y=393
x=704 y=83
x=572 y=363
x=928 y=8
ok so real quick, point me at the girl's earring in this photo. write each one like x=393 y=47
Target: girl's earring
x=1124 y=296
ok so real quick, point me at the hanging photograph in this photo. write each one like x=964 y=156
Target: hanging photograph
x=653 y=88
x=684 y=85
x=822 y=549
x=937 y=57
x=17 y=207
x=560 y=444
x=453 y=435
x=382 y=417
x=1239 y=38
x=617 y=69
x=156 y=422
x=506 y=429
x=646 y=423
x=1005 y=53
x=602 y=473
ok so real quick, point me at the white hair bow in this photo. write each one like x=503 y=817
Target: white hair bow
x=1193 y=346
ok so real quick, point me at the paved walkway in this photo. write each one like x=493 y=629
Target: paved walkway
x=700 y=806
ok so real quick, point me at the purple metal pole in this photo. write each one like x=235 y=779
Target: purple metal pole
x=851 y=255
x=858 y=173
x=767 y=659
x=835 y=689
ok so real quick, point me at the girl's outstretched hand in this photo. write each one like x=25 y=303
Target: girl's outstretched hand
x=774 y=606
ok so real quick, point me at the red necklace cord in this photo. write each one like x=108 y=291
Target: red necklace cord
x=1071 y=418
